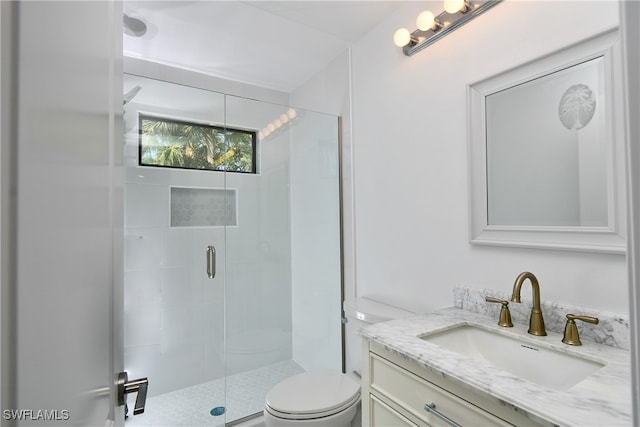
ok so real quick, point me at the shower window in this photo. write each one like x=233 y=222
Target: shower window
x=189 y=145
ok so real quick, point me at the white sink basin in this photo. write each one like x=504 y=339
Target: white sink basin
x=544 y=366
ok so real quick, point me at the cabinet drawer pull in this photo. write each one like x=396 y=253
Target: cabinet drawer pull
x=431 y=408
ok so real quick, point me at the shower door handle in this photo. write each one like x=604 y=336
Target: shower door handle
x=138 y=386
x=211 y=261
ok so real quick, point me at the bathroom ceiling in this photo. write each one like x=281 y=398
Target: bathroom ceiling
x=274 y=44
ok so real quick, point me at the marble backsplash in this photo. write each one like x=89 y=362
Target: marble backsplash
x=612 y=330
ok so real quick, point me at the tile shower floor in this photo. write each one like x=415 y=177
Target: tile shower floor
x=190 y=407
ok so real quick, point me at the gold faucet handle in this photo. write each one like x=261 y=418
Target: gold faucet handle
x=505 y=314
x=587 y=319
x=571 y=334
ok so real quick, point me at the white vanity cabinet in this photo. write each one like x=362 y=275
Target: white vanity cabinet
x=395 y=391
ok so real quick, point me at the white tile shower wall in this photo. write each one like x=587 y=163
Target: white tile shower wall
x=173 y=312
x=183 y=326
x=612 y=329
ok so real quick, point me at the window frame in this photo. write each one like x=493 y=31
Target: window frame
x=253 y=133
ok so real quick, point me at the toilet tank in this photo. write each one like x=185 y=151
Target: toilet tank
x=361 y=312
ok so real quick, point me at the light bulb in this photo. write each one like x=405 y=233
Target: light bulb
x=426 y=21
x=284 y=118
x=453 y=6
x=277 y=123
x=402 y=37
x=292 y=113
x=271 y=127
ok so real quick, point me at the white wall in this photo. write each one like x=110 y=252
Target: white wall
x=410 y=159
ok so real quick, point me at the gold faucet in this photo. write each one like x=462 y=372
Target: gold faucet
x=571 y=335
x=505 y=314
x=536 y=322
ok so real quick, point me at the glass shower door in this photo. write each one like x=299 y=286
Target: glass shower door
x=175 y=211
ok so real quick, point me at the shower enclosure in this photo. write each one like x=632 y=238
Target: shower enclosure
x=232 y=249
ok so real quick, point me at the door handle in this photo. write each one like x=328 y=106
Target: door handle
x=211 y=261
x=138 y=386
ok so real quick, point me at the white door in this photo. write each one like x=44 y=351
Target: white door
x=61 y=212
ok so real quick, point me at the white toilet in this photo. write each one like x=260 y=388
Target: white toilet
x=323 y=397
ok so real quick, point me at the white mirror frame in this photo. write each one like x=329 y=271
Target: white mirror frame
x=607 y=239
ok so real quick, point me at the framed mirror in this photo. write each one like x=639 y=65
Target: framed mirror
x=545 y=152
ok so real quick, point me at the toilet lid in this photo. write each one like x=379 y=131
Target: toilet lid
x=314 y=393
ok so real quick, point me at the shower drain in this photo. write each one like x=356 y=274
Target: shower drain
x=217 y=411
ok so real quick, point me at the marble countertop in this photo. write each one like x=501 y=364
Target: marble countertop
x=603 y=399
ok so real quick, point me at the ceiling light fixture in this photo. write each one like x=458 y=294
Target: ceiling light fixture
x=432 y=28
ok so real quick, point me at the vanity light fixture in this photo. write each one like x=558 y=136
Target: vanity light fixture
x=427 y=21
x=286 y=118
x=432 y=28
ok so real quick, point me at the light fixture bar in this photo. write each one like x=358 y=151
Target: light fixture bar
x=456 y=20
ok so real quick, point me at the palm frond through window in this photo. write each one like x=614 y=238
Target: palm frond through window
x=180 y=144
